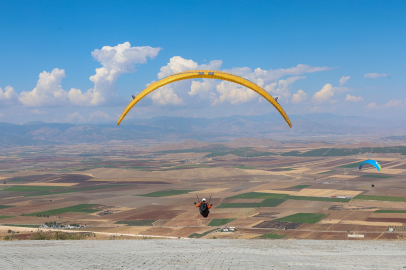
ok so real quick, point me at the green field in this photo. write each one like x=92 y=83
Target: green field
x=301 y=186
x=258 y=195
x=390 y=211
x=377 y=176
x=4 y=217
x=80 y=208
x=273 y=202
x=282 y=197
x=351 y=165
x=48 y=192
x=326 y=172
x=5 y=206
x=303 y=218
x=199 y=235
x=271 y=236
x=220 y=222
x=244 y=167
x=22 y=225
x=141 y=222
x=166 y=193
x=16 y=180
x=380 y=198
x=317 y=199
x=30 y=188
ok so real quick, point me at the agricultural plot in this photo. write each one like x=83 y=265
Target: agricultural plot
x=144 y=222
x=220 y=222
x=390 y=211
x=50 y=192
x=4 y=217
x=380 y=198
x=271 y=236
x=30 y=188
x=377 y=176
x=166 y=193
x=80 y=208
x=303 y=218
x=5 y=206
x=301 y=186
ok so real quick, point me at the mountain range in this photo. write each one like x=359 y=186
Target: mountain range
x=174 y=129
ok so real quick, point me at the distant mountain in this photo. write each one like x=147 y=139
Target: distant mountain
x=176 y=129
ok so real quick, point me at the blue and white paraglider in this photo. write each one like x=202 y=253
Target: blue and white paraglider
x=372 y=162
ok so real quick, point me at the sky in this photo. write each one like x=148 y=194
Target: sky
x=80 y=61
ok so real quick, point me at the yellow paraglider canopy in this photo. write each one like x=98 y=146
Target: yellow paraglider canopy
x=207 y=74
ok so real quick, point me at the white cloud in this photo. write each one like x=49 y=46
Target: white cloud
x=166 y=95
x=275 y=74
x=284 y=87
x=299 y=96
x=353 y=98
x=325 y=94
x=372 y=106
x=75 y=117
x=115 y=61
x=375 y=75
x=394 y=103
x=2 y=115
x=391 y=104
x=37 y=111
x=343 y=80
x=99 y=116
x=8 y=96
x=48 y=91
x=223 y=91
x=179 y=64
x=233 y=93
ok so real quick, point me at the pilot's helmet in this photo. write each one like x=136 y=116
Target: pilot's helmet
x=203 y=200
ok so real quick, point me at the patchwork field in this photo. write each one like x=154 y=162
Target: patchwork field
x=267 y=192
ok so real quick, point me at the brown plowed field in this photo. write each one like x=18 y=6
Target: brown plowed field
x=372 y=219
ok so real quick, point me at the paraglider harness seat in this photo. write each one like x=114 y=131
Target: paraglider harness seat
x=203 y=207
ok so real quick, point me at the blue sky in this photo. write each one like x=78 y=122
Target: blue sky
x=65 y=39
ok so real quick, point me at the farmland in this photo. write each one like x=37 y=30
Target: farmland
x=310 y=191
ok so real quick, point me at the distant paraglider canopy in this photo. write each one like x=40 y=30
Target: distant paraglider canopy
x=207 y=74
x=372 y=162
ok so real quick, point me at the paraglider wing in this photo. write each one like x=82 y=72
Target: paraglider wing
x=207 y=74
x=372 y=162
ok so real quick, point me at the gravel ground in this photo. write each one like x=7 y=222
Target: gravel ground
x=202 y=254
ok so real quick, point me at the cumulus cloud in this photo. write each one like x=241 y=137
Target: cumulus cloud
x=48 y=90
x=166 y=95
x=223 y=91
x=282 y=87
x=394 y=103
x=325 y=94
x=75 y=117
x=375 y=75
x=343 y=80
x=37 y=111
x=233 y=93
x=8 y=96
x=299 y=96
x=353 y=98
x=115 y=61
x=179 y=64
x=391 y=104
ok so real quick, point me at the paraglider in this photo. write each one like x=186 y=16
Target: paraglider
x=203 y=206
x=207 y=74
x=372 y=162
